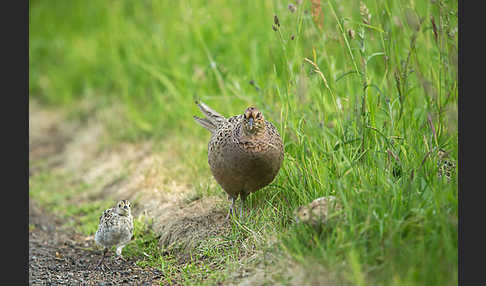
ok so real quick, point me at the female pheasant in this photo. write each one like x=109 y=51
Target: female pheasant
x=245 y=151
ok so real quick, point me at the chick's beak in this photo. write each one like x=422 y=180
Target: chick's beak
x=251 y=122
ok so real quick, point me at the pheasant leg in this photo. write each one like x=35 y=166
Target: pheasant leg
x=231 y=209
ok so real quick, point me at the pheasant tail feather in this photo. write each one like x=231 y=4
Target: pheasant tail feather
x=212 y=119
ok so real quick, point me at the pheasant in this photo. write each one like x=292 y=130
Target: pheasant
x=115 y=228
x=245 y=152
x=317 y=212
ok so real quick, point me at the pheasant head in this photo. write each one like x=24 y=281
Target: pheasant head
x=123 y=208
x=253 y=122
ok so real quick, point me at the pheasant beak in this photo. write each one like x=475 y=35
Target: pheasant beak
x=250 y=120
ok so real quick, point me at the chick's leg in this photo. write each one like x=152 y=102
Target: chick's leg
x=100 y=263
x=119 y=253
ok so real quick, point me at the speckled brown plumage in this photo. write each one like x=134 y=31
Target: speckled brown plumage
x=245 y=151
x=115 y=229
x=317 y=212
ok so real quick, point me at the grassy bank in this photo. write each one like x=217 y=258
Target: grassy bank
x=363 y=94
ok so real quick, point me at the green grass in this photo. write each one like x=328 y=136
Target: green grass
x=358 y=125
x=60 y=195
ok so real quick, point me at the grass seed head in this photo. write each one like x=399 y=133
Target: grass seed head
x=365 y=13
x=434 y=28
x=316 y=12
x=351 y=33
x=292 y=8
x=276 y=21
